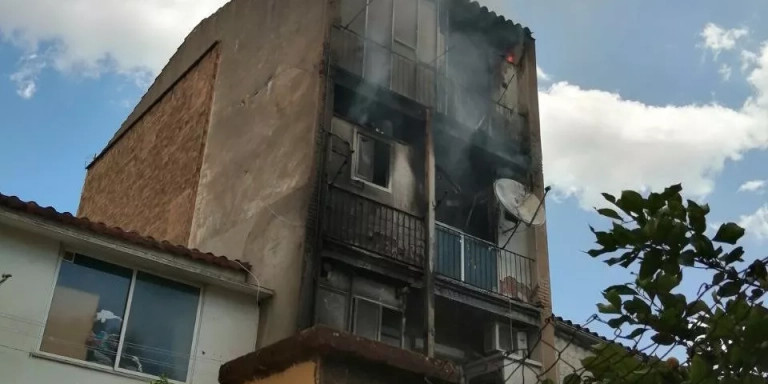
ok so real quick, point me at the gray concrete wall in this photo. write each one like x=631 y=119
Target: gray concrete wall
x=258 y=167
x=406 y=171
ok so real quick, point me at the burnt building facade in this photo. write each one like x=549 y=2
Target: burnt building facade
x=348 y=150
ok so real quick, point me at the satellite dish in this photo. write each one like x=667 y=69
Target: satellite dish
x=520 y=203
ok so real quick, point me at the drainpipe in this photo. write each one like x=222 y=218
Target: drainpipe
x=429 y=259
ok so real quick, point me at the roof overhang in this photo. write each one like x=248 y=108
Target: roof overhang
x=132 y=255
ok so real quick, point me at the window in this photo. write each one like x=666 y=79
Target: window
x=406 y=19
x=377 y=322
x=117 y=317
x=372 y=160
x=331 y=309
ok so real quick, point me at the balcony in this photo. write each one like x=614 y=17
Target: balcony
x=482 y=264
x=355 y=220
x=366 y=224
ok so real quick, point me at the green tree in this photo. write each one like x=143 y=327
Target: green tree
x=720 y=333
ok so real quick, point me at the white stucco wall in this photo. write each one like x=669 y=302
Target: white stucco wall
x=516 y=371
x=570 y=357
x=227 y=329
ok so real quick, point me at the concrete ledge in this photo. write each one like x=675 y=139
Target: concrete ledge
x=317 y=343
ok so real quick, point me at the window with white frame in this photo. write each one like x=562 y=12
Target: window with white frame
x=121 y=318
x=372 y=160
x=375 y=321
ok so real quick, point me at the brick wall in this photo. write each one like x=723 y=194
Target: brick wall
x=147 y=180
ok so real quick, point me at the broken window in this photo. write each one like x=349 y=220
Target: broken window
x=372 y=160
x=332 y=309
x=377 y=322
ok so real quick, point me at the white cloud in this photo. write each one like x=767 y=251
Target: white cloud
x=89 y=37
x=748 y=60
x=543 y=76
x=756 y=223
x=25 y=77
x=725 y=72
x=718 y=39
x=596 y=141
x=752 y=186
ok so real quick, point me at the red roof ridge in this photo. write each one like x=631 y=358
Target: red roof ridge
x=117 y=233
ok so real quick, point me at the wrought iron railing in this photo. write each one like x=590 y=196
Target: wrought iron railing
x=367 y=224
x=483 y=264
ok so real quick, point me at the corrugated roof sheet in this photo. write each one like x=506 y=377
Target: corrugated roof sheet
x=48 y=213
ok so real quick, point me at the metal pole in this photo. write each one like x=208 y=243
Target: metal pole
x=429 y=260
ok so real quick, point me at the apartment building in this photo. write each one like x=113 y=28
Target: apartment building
x=348 y=150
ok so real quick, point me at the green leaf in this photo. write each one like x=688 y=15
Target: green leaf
x=573 y=378
x=637 y=306
x=700 y=370
x=613 y=261
x=618 y=321
x=733 y=256
x=608 y=309
x=650 y=264
x=635 y=333
x=671 y=191
x=609 y=197
x=676 y=209
x=622 y=289
x=687 y=258
x=613 y=298
x=729 y=233
x=703 y=246
x=605 y=239
x=610 y=213
x=663 y=338
x=695 y=307
x=655 y=202
x=696 y=217
x=631 y=201
x=718 y=278
x=666 y=282
x=730 y=288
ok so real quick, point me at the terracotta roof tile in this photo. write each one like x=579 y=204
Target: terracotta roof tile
x=592 y=333
x=66 y=218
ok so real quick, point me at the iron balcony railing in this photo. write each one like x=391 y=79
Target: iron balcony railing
x=483 y=264
x=364 y=223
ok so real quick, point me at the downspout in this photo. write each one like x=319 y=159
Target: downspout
x=429 y=259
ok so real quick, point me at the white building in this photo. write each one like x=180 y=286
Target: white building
x=86 y=303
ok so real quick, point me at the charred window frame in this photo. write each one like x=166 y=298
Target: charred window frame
x=356 y=304
x=377 y=321
x=409 y=27
x=372 y=160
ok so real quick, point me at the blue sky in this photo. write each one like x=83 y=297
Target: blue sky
x=634 y=94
